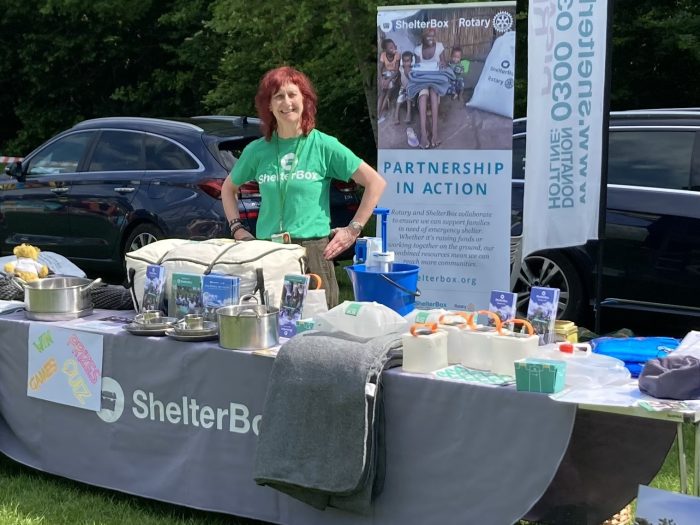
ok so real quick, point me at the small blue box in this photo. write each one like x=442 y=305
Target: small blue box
x=540 y=375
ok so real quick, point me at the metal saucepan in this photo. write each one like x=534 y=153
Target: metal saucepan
x=59 y=294
x=248 y=326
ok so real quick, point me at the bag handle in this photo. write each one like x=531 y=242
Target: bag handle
x=423 y=329
x=491 y=314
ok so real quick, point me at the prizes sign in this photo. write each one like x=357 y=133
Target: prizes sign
x=566 y=82
x=64 y=366
x=445 y=110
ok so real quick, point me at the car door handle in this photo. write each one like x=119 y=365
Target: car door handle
x=125 y=189
x=62 y=189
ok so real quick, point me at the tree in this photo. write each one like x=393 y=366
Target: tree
x=319 y=37
x=75 y=59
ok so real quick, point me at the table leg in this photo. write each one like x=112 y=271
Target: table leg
x=682 y=471
x=696 y=478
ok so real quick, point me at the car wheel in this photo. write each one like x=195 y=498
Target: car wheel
x=552 y=270
x=142 y=235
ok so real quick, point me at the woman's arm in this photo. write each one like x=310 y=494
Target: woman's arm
x=373 y=184
x=229 y=198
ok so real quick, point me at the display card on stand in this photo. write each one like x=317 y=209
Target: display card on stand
x=293 y=296
x=218 y=291
x=153 y=288
x=542 y=312
x=185 y=295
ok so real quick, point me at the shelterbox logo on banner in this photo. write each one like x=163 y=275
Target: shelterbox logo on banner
x=185 y=411
x=565 y=98
x=445 y=137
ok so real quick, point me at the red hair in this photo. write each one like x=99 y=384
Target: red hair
x=270 y=83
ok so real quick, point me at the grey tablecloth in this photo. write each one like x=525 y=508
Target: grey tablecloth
x=184 y=418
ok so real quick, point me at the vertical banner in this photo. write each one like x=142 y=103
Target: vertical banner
x=565 y=99
x=64 y=366
x=445 y=109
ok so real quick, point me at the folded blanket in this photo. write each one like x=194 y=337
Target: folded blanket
x=319 y=433
x=438 y=80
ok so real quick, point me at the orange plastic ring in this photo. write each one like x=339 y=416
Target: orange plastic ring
x=491 y=314
x=431 y=327
x=524 y=322
x=454 y=314
x=319 y=281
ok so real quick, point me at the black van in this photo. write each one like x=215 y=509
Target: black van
x=651 y=249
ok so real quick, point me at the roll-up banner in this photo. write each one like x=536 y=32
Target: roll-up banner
x=565 y=109
x=445 y=109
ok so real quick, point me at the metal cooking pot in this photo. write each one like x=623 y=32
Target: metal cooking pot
x=248 y=326
x=59 y=294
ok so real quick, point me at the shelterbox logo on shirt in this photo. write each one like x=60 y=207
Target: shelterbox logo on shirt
x=289 y=162
x=185 y=411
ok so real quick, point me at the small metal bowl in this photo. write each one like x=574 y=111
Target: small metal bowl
x=208 y=328
x=155 y=323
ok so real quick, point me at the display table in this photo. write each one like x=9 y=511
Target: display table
x=179 y=424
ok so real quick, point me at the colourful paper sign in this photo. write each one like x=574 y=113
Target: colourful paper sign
x=64 y=366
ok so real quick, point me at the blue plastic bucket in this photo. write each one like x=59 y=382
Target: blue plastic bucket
x=396 y=289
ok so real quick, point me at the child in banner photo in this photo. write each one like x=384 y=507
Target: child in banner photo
x=388 y=73
x=405 y=71
x=460 y=67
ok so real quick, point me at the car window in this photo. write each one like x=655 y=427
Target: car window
x=652 y=158
x=519 y=158
x=162 y=154
x=230 y=151
x=118 y=151
x=61 y=156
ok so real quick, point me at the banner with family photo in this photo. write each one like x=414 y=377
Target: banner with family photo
x=565 y=99
x=445 y=83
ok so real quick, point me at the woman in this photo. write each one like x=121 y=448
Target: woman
x=430 y=57
x=294 y=164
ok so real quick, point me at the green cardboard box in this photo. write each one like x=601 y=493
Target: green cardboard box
x=304 y=324
x=540 y=375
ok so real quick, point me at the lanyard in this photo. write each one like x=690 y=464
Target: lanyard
x=282 y=190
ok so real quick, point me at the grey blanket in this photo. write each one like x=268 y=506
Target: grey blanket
x=438 y=80
x=319 y=435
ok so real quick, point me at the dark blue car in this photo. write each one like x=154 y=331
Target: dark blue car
x=108 y=186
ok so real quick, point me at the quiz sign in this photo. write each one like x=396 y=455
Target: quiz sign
x=64 y=366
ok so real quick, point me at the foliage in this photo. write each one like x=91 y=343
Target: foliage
x=326 y=39
x=66 y=60
x=75 y=59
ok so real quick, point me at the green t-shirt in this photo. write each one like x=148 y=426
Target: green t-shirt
x=299 y=201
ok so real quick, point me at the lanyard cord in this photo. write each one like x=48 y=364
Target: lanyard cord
x=280 y=189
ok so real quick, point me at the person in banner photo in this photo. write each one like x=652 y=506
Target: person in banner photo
x=293 y=163
x=460 y=80
x=429 y=80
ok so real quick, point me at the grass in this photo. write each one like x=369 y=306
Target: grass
x=30 y=497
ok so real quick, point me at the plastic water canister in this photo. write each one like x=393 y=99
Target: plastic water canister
x=454 y=324
x=424 y=348
x=471 y=345
x=508 y=347
x=585 y=369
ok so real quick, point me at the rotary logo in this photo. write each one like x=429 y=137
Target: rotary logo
x=502 y=21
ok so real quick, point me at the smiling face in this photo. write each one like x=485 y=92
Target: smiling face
x=287 y=106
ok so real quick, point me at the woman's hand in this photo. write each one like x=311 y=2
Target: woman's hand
x=341 y=240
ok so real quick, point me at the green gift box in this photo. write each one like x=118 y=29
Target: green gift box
x=539 y=375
